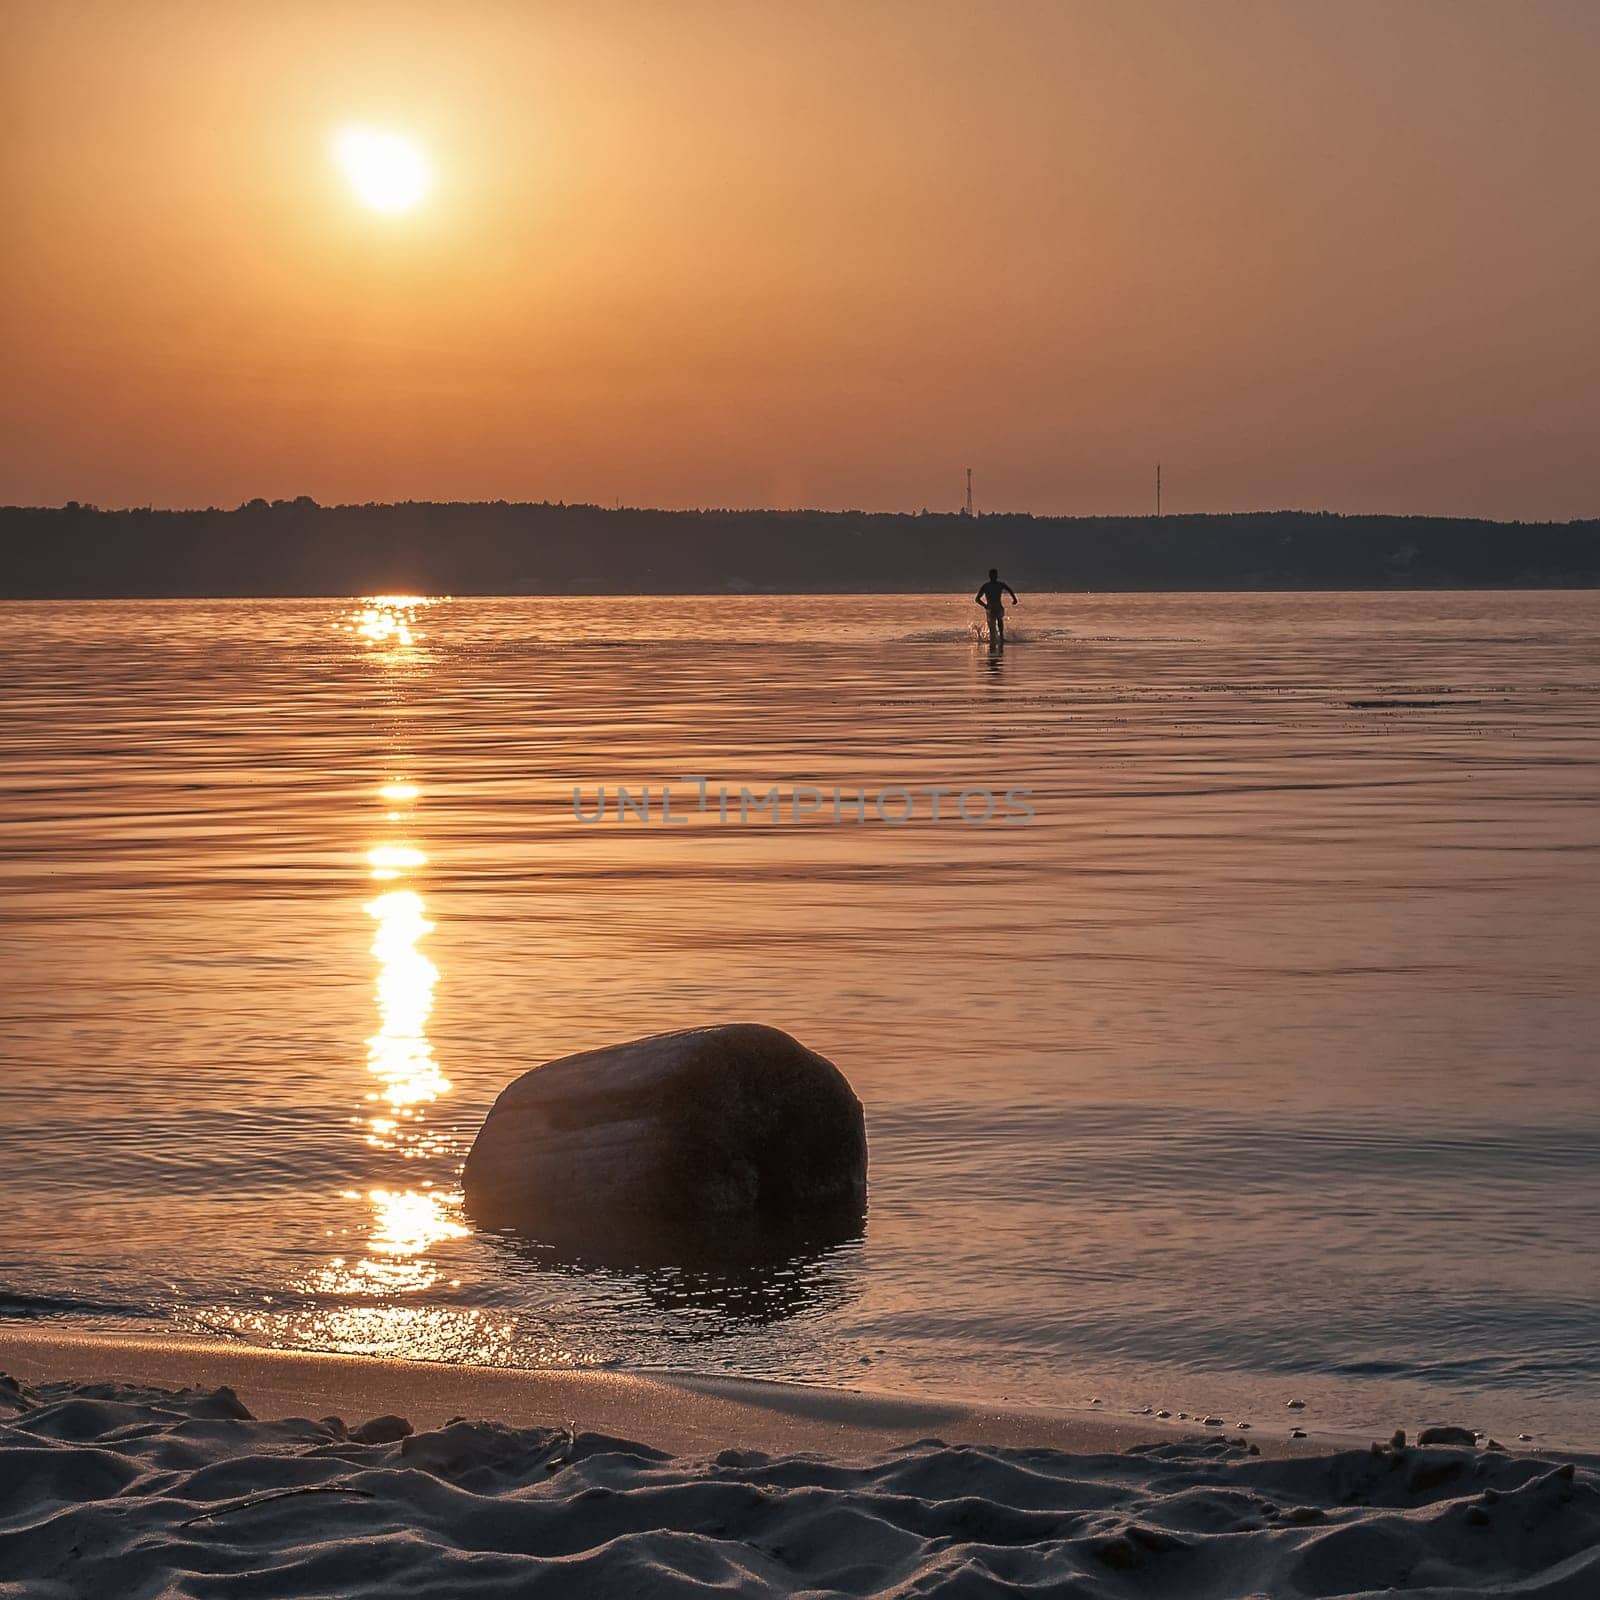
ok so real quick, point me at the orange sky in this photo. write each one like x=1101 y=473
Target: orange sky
x=1318 y=254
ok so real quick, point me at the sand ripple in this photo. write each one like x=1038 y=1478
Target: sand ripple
x=115 y=1490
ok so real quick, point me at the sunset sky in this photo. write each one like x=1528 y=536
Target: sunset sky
x=1318 y=254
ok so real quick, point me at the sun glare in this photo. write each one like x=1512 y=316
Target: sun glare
x=387 y=172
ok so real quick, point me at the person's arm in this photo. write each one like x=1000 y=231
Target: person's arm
x=1010 y=591
x=978 y=599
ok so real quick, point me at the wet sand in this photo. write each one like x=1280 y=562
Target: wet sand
x=678 y=1412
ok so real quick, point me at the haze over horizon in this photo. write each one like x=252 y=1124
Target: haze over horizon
x=1332 y=258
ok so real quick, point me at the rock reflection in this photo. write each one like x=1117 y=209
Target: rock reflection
x=745 y=1279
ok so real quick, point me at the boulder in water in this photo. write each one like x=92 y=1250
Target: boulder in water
x=705 y=1135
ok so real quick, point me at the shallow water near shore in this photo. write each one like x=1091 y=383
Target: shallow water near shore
x=1256 y=1066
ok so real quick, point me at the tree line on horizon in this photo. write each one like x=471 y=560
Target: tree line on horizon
x=297 y=547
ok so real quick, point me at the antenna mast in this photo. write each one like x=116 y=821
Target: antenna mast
x=968 y=511
x=1158 y=488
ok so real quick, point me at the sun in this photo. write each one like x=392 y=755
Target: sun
x=386 y=170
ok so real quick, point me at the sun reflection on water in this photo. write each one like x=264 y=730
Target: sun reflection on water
x=387 y=618
x=399 y=1052
x=403 y=1227
x=392 y=1291
x=388 y=861
x=400 y=1055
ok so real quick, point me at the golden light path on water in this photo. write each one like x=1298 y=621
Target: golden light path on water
x=404 y=1227
x=391 y=1294
x=387 y=618
x=399 y=1053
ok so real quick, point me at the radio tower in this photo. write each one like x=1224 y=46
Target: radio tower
x=1158 y=488
x=967 y=512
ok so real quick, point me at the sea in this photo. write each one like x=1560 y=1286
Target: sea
x=1227 y=1041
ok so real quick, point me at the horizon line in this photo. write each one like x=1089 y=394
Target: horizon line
x=309 y=502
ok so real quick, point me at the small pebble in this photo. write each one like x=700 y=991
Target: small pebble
x=1163 y=1413
x=1211 y=1422
x=1297 y=1405
x=1243 y=1427
x=1183 y=1416
x=1297 y=1433
x=1524 y=1437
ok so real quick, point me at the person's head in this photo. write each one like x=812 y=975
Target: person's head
x=994 y=572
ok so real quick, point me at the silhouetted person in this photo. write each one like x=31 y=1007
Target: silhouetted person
x=990 y=597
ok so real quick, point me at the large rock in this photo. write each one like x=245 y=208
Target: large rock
x=701 y=1135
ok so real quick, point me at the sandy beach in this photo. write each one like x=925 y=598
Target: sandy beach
x=201 y=1469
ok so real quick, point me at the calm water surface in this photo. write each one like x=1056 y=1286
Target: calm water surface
x=1259 y=1065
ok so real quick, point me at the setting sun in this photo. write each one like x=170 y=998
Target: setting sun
x=387 y=171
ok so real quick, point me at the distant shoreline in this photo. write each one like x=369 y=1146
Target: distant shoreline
x=296 y=549
x=1039 y=591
